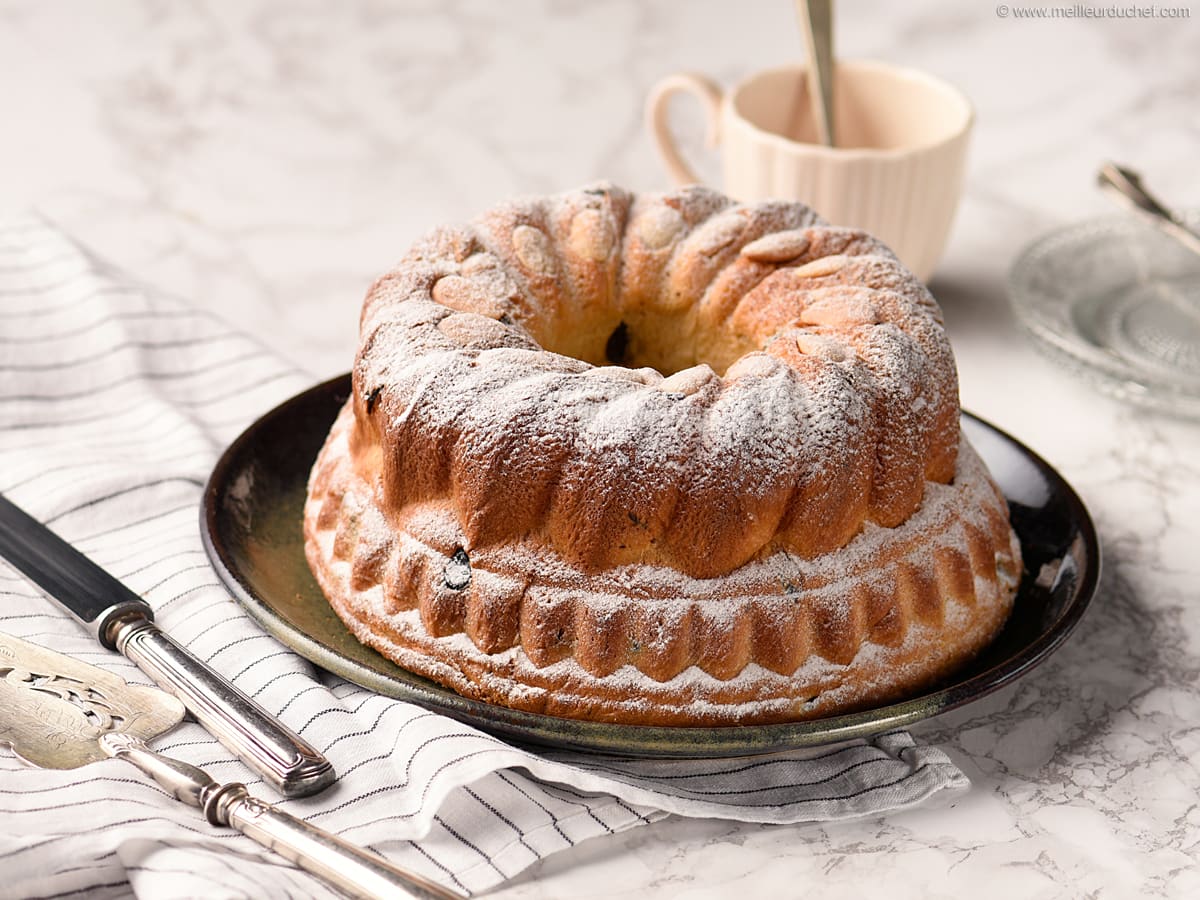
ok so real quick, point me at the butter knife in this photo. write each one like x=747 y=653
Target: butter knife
x=123 y=621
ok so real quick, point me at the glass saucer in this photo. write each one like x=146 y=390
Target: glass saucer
x=1119 y=303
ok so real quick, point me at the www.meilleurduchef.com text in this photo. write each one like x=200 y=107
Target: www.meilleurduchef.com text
x=1082 y=11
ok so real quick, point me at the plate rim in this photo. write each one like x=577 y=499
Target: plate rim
x=644 y=740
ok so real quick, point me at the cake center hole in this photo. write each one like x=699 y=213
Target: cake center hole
x=666 y=343
x=617 y=346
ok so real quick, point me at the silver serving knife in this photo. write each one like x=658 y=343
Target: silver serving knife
x=61 y=713
x=123 y=621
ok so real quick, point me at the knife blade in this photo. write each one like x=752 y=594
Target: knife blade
x=123 y=621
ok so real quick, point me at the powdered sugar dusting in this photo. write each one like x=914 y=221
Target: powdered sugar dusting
x=829 y=587
x=694 y=470
x=699 y=545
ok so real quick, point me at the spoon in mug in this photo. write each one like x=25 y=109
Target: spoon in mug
x=816 y=16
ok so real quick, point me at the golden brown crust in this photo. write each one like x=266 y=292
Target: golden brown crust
x=683 y=548
x=680 y=278
x=782 y=640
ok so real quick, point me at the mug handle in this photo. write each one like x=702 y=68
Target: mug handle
x=660 y=129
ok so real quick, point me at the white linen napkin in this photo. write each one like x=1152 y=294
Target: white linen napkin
x=115 y=402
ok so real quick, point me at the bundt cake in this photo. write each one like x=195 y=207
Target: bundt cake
x=659 y=459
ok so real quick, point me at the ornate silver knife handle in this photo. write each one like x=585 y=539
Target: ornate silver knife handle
x=350 y=869
x=280 y=755
x=123 y=621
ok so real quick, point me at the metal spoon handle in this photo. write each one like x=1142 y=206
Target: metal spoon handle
x=1126 y=186
x=352 y=870
x=817 y=17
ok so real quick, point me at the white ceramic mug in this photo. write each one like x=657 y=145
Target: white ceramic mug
x=896 y=170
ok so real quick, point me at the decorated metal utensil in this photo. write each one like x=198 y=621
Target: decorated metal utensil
x=123 y=621
x=61 y=713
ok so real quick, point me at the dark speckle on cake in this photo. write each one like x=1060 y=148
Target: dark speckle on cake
x=457 y=573
x=373 y=398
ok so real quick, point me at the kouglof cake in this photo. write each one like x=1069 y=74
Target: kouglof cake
x=659 y=459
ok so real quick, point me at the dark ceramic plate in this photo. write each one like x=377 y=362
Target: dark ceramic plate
x=252 y=530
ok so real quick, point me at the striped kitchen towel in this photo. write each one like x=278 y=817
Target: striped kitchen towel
x=115 y=402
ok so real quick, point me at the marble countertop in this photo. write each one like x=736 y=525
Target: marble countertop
x=267 y=159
